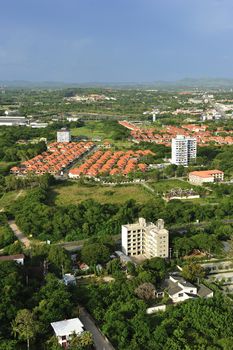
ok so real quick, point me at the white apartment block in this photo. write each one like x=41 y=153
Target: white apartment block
x=63 y=135
x=184 y=149
x=146 y=239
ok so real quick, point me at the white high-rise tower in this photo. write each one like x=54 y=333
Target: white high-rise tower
x=184 y=149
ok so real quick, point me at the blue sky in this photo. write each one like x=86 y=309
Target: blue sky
x=115 y=40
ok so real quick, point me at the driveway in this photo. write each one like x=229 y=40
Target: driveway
x=19 y=234
x=99 y=340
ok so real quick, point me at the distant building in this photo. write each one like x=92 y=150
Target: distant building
x=13 y=120
x=184 y=149
x=203 y=176
x=64 y=329
x=146 y=239
x=18 y=258
x=63 y=135
x=38 y=125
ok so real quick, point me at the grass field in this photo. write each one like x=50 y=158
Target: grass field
x=10 y=197
x=74 y=193
x=96 y=129
x=91 y=129
x=167 y=185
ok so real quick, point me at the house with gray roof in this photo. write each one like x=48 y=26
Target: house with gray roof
x=178 y=289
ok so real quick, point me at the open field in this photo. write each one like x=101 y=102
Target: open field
x=10 y=197
x=91 y=129
x=96 y=129
x=73 y=193
x=167 y=185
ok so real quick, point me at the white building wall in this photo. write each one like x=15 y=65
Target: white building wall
x=63 y=136
x=124 y=239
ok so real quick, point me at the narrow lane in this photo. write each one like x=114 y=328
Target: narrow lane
x=101 y=343
x=19 y=234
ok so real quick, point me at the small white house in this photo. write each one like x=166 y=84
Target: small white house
x=69 y=279
x=64 y=329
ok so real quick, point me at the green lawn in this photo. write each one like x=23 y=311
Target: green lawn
x=91 y=129
x=166 y=185
x=96 y=129
x=73 y=193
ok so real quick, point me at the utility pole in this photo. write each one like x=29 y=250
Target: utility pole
x=170 y=253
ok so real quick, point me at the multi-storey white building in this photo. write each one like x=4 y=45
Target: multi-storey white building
x=63 y=135
x=184 y=149
x=146 y=239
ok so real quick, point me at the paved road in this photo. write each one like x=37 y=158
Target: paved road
x=99 y=340
x=19 y=235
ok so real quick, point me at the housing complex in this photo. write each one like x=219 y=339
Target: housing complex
x=164 y=136
x=184 y=149
x=111 y=163
x=57 y=158
x=145 y=239
x=206 y=176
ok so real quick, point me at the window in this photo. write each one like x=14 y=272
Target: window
x=63 y=337
x=180 y=295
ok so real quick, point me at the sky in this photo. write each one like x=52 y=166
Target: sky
x=115 y=40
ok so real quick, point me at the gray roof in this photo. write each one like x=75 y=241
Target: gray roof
x=182 y=281
x=204 y=291
x=172 y=287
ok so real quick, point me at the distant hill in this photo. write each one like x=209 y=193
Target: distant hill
x=211 y=83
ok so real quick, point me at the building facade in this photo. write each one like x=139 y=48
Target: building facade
x=200 y=177
x=63 y=135
x=148 y=239
x=184 y=149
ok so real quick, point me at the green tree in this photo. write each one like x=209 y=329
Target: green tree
x=192 y=272
x=24 y=326
x=95 y=253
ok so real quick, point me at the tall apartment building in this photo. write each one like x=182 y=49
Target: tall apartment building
x=63 y=135
x=184 y=149
x=148 y=239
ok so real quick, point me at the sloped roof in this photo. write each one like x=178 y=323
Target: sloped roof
x=67 y=327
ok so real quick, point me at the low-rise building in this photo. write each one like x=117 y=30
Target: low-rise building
x=178 y=289
x=64 y=330
x=18 y=258
x=63 y=135
x=13 y=120
x=203 y=176
x=148 y=239
x=69 y=279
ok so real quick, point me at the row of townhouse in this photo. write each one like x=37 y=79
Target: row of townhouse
x=55 y=160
